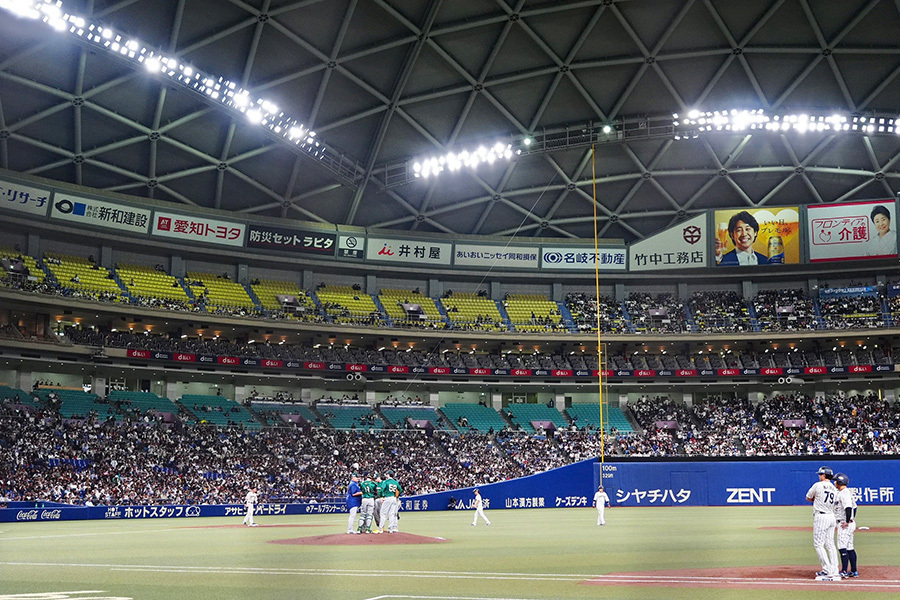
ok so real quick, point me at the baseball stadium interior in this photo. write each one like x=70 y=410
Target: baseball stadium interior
x=251 y=247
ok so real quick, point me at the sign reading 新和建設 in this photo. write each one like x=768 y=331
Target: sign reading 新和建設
x=100 y=213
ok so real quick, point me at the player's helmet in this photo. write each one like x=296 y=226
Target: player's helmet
x=826 y=471
x=841 y=479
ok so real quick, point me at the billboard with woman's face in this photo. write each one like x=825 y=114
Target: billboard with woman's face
x=852 y=231
x=752 y=237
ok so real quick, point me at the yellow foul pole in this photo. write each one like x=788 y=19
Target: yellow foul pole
x=597 y=291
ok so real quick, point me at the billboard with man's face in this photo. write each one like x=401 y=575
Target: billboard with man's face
x=757 y=236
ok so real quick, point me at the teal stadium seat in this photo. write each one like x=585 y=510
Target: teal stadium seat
x=397 y=415
x=589 y=414
x=76 y=404
x=480 y=417
x=350 y=417
x=524 y=414
x=219 y=411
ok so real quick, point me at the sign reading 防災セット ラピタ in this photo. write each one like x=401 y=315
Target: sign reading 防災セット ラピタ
x=852 y=230
x=24 y=198
x=100 y=213
x=572 y=258
x=198 y=229
x=397 y=250
x=684 y=246
x=305 y=241
x=480 y=255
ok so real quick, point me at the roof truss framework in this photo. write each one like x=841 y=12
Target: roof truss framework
x=452 y=75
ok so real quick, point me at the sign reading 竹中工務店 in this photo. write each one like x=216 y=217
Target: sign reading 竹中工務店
x=606 y=258
x=292 y=240
x=198 y=229
x=397 y=250
x=683 y=246
x=24 y=198
x=99 y=213
x=480 y=255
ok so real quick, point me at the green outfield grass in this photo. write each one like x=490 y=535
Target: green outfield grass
x=526 y=554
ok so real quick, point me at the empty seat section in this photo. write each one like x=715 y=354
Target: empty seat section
x=146 y=282
x=268 y=290
x=219 y=292
x=137 y=404
x=79 y=273
x=479 y=417
x=526 y=414
x=533 y=312
x=350 y=417
x=394 y=299
x=473 y=311
x=398 y=415
x=78 y=404
x=218 y=410
x=33 y=269
x=16 y=396
x=344 y=301
x=589 y=415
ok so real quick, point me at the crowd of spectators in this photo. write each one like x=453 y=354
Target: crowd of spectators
x=856 y=312
x=583 y=308
x=144 y=460
x=719 y=312
x=784 y=310
x=661 y=314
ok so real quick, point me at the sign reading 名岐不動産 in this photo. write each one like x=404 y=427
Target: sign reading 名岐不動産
x=408 y=251
x=100 y=213
x=198 y=229
x=23 y=198
x=683 y=246
x=291 y=240
x=606 y=258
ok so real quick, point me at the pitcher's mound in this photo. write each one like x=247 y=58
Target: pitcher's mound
x=368 y=539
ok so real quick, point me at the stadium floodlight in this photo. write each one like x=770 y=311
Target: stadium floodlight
x=455 y=161
x=262 y=112
x=697 y=122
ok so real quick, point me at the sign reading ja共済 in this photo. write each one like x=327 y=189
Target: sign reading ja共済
x=683 y=246
x=408 y=251
x=23 y=198
x=198 y=229
x=99 y=213
x=291 y=240
x=556 y=258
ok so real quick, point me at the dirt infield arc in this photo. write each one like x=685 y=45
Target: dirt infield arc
x=346 y=539
x=782 y=578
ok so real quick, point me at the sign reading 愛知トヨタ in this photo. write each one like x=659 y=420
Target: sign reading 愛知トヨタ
x=24 y=198
x=425 y=252
x=852 y=230
x=571 y=258
x=198 y=229
x=480 y=255
x=100 y=213
x=684 y=246
x=305 y=241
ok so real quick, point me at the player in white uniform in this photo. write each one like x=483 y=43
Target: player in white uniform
x=479 y=509
x=822 y=494
x=845 y=517
x=250 y=502
x=601 y=501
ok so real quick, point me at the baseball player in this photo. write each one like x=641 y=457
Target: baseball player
x=379 y=502
x=390 y=503
x=479 y=509
x=354 y=501
x=601 y=501
x=822 y=494
x=367 y=510
x=845 y=517
x=250 y=502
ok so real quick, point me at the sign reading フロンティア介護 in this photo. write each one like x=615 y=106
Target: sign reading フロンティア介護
x=606 y=258
x=480 y=255
x=198 y=229
x=99 y=213
x=397 y=250
x=853 y=230
x=23 y=198
x=757 y=236
x=683 y=246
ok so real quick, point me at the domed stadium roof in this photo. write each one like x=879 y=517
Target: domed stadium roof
x=385 y=84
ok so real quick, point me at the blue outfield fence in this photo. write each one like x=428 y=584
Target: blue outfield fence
x=663 y=483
